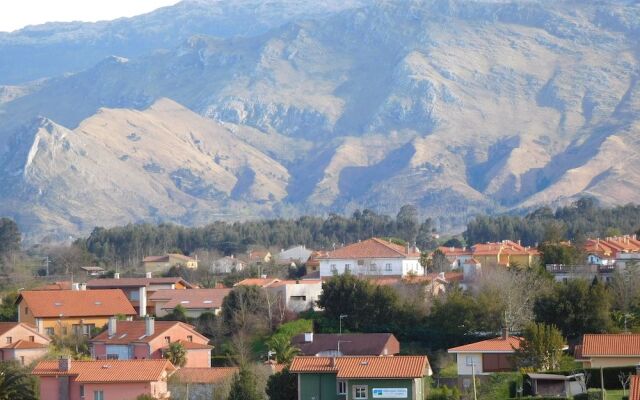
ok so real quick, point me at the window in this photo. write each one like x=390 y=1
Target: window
x=387 y=267
x=49 y=331
x=9 y=339
x=81 y=390
x=190 y=338
x=469 y=361
x=83 y=329
x=334 y=269
x=112 y=357
x=98 y=395
x=342 y=387
x=360 y=262
x=298 y=298
x=32 y=338
x=347 y=267
x=167 y=339
x=372 y=267
x=360 y=392
x=26 y=311
x=134 y=295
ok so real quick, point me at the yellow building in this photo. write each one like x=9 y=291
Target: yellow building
x=161 y=264
x=505 y=253
x=62 y=312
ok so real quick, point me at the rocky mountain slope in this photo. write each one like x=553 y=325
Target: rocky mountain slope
x=455 y=106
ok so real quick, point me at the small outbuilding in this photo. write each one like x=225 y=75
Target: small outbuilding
x=557 y=385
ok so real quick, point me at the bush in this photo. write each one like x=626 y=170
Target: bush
x=591 y=395
x=444 y=393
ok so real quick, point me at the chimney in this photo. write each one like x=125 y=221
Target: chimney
x=148 y=275
x=64 y=364
x=149 y=326
x=505 y=333
x=111 y=327
x=333 y=362
x=308 y=337
x=116 y=275
x=142 y=301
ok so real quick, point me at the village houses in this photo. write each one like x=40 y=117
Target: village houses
x=61 y=312
x=21 y=342
x=158 y=265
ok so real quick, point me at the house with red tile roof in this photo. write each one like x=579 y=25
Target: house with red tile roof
x=194 y=301
x=361 y=377
x=259 y=257
x=610 y=350
x=64 y=312
x=147 y=339
x=103 y=379
x=20 y=342
x=161 y=264
x=199 y=383
x=487 y=356
x=634 y=390
x=139 y=290
x=372 y=257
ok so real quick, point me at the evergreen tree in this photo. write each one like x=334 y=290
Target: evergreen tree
x=282 y=386
x=541 y=348
x=244 y=386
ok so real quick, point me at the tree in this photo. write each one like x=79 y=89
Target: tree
x=281 y=345
x=177 y=354
x=453 y=242
x=10 y=237
x=509 y=296
x=407 y=222
x=8 y=307
x=370 y=308
x=15 y=383
x=560 y=253
x=179 y=313
x=245 y=306
x=541 y=347
x=244 y=386
x=282 y=386
x=576 y=307
x=625 y=287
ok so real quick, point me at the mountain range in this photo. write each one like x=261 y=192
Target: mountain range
x=232 y=110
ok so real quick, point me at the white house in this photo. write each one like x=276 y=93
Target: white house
x=227 y=264
x=373 y=257
x=296 y=296
x=297 y=255
x=487 y=356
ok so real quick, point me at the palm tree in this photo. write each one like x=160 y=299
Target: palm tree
x=15 y=383
x=177 y=354
x=285 y=352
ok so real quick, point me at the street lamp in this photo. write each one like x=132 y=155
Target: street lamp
x=342 y=316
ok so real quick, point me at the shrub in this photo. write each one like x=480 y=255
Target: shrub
x=444 y=393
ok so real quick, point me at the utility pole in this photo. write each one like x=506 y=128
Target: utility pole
x=473 y=376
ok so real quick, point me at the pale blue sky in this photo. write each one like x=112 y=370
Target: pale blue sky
x=15 y=14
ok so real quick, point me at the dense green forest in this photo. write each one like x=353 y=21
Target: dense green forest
x=584 y=218
x=580 y=220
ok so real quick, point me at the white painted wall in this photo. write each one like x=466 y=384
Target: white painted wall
x=464 y=363
x=310 y=291
x=371 y=266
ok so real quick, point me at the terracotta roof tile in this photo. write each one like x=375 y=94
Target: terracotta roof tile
x=25 y=344
x=371 y=248
x=120 y=371
x=134 y=331
x=134 y=282
x=634 y=391
x=76 y=303
x=262 y=282
x=205 y=375
x=496 y=345
x=390 y=367
x=196 y=298
x=623 y=344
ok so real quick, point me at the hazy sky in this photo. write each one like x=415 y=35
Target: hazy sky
x=15 y=14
